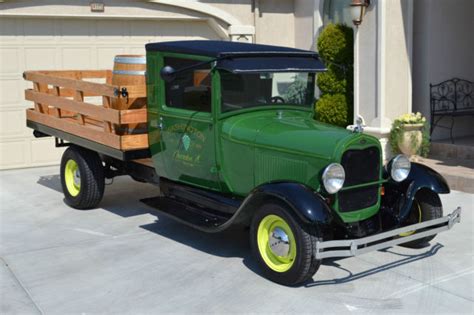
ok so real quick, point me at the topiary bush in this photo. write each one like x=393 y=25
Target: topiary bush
x=333 y=109
x=336 y=49
x=330 y=83
x=336 y=44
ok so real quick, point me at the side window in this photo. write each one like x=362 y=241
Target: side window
x=191 y=89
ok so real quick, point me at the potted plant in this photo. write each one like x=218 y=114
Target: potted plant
x=409 y=135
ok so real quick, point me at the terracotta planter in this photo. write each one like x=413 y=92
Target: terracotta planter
x=411 y=139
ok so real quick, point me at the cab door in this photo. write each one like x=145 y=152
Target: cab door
x=186 y=123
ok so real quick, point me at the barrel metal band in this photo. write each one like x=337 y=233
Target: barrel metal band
x=131 y=60
x=129 y=72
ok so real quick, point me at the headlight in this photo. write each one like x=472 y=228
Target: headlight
x=400 y=168
x=333 y=177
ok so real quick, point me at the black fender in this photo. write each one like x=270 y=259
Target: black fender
x=420 y=177
x=306 y=204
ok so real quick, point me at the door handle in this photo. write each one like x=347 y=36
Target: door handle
x=160 y=124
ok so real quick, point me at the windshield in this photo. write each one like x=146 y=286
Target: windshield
x=247 y=90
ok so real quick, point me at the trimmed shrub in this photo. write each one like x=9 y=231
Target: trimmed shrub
x=336 y=44
x=330 y=83
x=333 y=109
x=336 y=49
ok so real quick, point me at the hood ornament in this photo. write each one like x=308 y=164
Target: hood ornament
x=359 y=126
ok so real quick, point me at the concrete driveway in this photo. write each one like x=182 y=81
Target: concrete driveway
x=123 y=258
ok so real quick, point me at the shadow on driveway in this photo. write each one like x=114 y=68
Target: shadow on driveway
x=232 y=242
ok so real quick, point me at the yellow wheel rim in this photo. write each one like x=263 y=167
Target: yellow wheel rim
x=72 y=177
x=278 y=257
x=419 y=221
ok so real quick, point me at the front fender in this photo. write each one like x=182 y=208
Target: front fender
x=420 y=177
x=307 y=205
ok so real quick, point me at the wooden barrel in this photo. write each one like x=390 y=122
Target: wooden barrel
x=129 y=70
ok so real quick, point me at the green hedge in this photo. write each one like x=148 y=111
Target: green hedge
x=336 y=48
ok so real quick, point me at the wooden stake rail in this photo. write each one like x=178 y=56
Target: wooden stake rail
x=59 y=98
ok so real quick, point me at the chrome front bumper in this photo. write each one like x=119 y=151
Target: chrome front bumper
x=347 y=248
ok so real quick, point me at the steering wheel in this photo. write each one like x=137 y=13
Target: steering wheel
x=277 y=99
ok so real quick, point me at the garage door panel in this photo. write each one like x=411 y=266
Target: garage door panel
x=112 y=30
x=40 y=58
x=10 y=30
x=144 y=30
x=13 y=123
x=76 y=58
x=38 y=29
x=10 y=63
x=75 y=31
x=13 y=153
x=10 y=92
x=40 y=156
x=137 y=50
x=105 y=56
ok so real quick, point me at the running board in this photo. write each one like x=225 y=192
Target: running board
x=196 y=217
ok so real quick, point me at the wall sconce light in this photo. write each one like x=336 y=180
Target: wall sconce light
x=358 y=8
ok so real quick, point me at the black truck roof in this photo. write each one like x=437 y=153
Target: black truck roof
x=244 y=57
x=215 y=48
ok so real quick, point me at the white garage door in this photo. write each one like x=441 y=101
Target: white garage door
x=45 y=43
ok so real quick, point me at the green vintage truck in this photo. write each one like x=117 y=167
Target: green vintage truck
x=230 y=139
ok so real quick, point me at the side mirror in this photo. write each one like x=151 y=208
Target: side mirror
x=168 y=73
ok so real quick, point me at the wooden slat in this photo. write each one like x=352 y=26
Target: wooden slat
x=70 y=92
x=57 y=93
x=78 y=85
x=133 y=116
x=108 y=126
x=106 y=102
x=67 y=125
x=130 y=142
x=91 y=74
x=95 y=111
x=39 y=106
x=108 y=78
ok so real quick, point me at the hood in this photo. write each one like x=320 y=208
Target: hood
x=293 y=131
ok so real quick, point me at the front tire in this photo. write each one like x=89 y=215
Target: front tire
x=82 y=178
x=283 y=247
x=426 y=206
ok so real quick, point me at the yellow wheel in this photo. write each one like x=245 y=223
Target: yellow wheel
x=283 y=247
x=415 y=217
x=426 y=206
x=82 y=178
x=276 y=243
x=72 y=176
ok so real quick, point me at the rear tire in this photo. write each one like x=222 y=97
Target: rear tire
x=297 y=264
x=82 y=178
x=426 y=206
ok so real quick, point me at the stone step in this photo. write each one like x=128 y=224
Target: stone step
x=451 y=151
x=459 y=173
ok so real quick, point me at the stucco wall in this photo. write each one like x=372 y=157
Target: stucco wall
x=443 y=49
x=274 y=20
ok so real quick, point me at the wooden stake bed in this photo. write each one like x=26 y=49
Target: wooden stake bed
x=62 y=102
